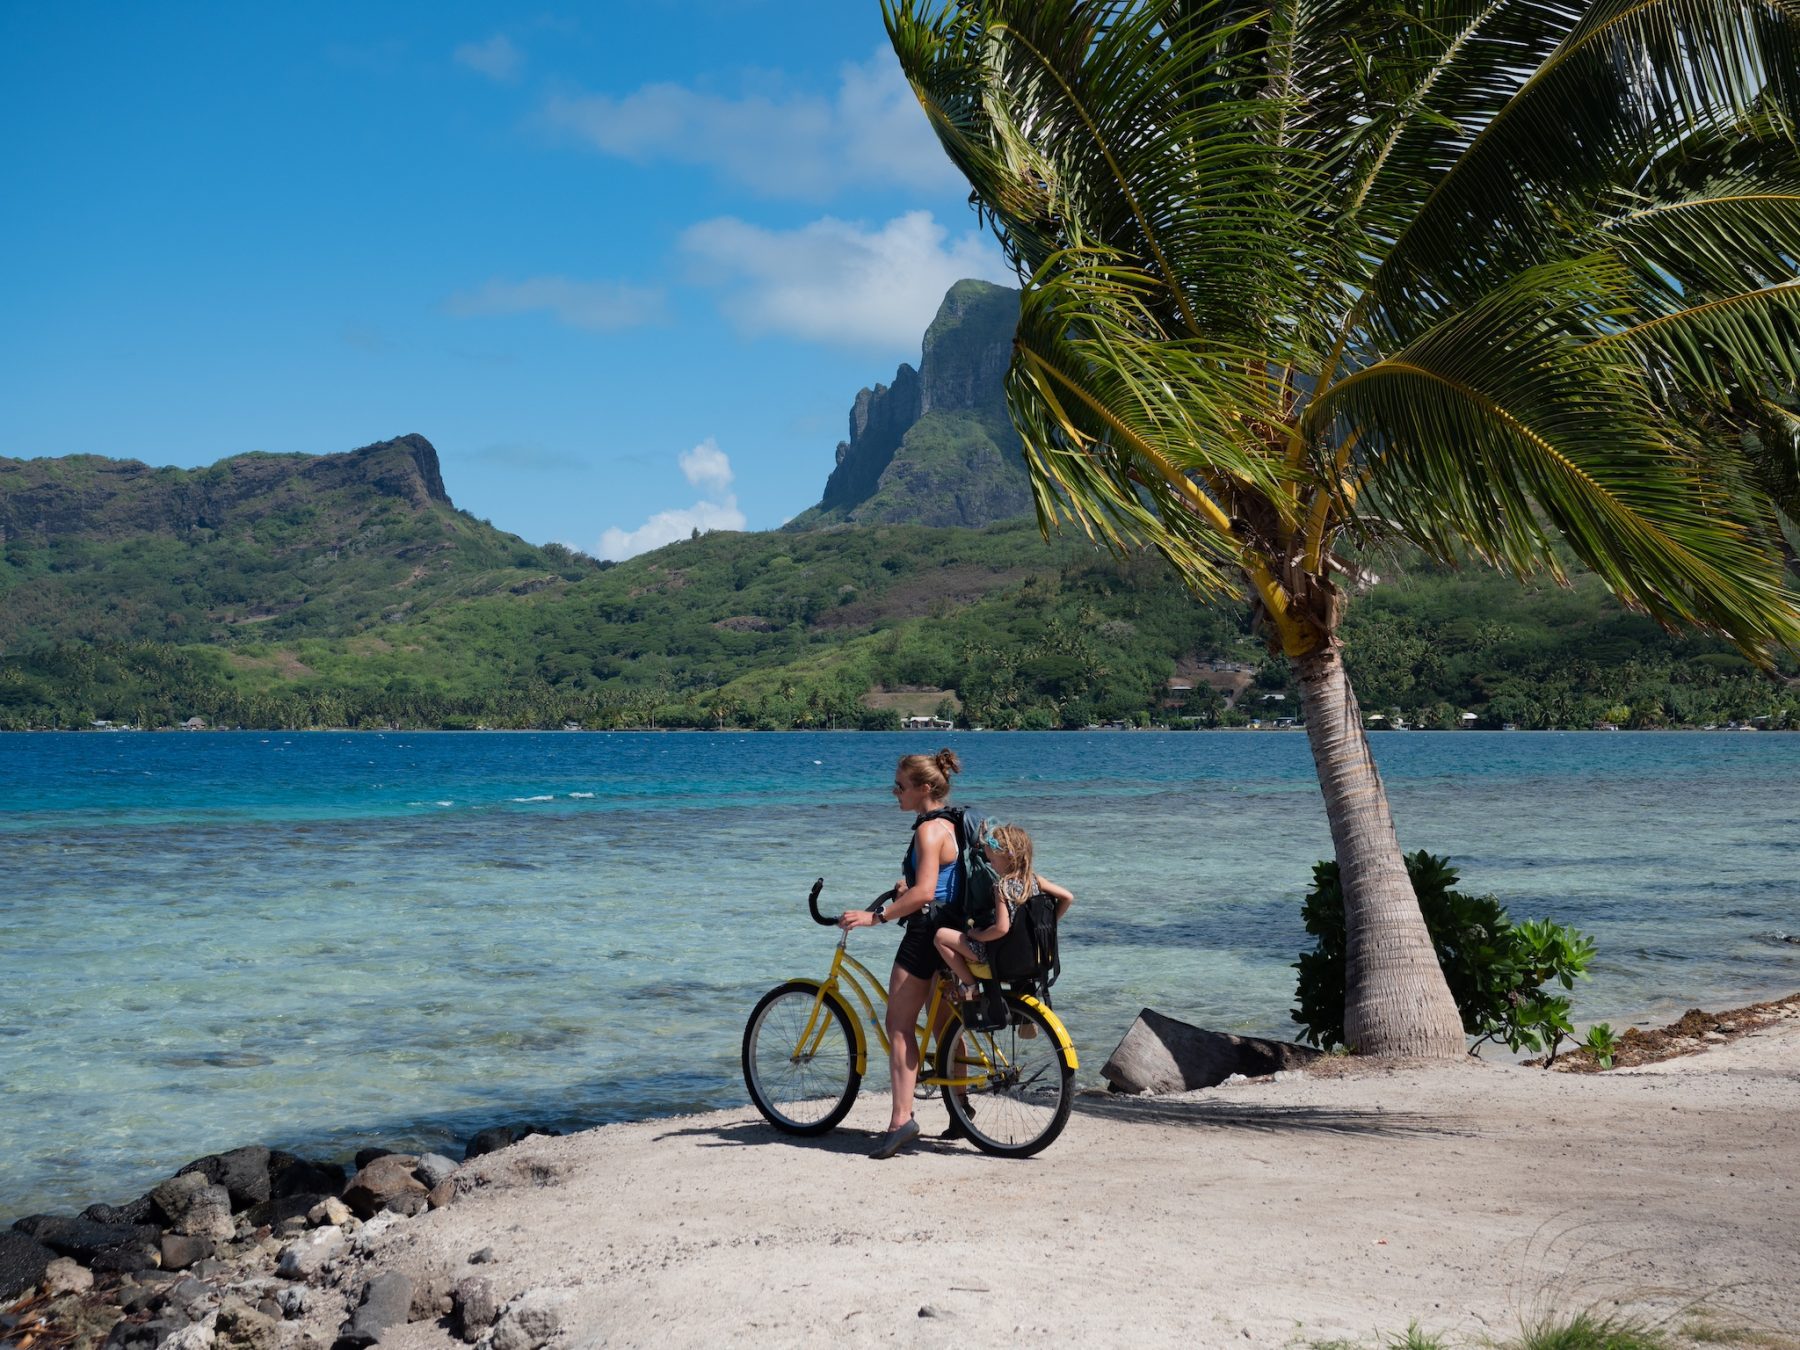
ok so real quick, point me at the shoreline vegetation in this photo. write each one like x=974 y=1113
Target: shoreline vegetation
x=864 y=628
x=535 y=1238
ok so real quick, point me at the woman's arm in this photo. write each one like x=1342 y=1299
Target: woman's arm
x=1062 y=895
x=916 y=896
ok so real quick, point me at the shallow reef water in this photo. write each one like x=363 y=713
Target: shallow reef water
x=324 y=940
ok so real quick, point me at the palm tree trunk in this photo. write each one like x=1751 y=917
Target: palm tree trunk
x=1396 y=1002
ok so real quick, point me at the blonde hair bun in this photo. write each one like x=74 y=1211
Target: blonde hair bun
x=931 y=771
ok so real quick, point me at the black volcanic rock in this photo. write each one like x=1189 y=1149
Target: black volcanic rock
x=243 y=1172
x=289 y=1175
x=84 y=1239
x=23 y=1260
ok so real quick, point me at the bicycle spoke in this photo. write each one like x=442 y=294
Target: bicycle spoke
x=799 y=1060
x=1010 y=1092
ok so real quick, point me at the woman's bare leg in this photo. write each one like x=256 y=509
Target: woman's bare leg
x=906 y=996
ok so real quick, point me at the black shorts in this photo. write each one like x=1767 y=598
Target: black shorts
x=918 y=954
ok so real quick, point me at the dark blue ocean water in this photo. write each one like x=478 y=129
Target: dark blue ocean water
x=323 y=940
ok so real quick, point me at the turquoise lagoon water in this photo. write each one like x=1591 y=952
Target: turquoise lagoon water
x=319 y=941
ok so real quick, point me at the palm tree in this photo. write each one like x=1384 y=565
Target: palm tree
x=1482 y=277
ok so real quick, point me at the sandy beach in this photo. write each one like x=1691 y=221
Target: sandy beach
x=1287 y=1211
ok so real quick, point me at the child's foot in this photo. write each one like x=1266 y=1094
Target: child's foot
x=955 y=1130
x=967 y=993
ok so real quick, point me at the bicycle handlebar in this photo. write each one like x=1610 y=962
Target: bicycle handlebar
x=812 y=903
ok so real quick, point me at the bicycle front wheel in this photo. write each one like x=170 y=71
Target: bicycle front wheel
x=1008 y=1089
x=800 y=1059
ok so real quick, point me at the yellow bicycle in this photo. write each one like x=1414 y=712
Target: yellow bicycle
x=806 y=1050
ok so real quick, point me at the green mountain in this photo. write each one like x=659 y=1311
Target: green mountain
x=347 y=590
x=251 y=547
x=936 y=446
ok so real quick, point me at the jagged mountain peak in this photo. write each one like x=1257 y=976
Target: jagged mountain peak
x=936 y=446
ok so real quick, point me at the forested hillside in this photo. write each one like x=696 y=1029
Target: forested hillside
x=96 y=549
x=348 y=590
x=844 y=627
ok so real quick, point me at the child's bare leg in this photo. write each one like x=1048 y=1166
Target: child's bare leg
x=949 y=945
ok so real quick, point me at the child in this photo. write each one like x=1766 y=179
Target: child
x=1008 y=848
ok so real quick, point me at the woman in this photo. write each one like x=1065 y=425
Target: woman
x=932 y=882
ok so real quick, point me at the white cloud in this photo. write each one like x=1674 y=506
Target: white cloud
x=600 y=306
x=839 y=281
x=705 y=466
x=784 y=144
x=497 y=58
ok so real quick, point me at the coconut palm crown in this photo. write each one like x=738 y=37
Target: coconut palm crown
x=1485 y=277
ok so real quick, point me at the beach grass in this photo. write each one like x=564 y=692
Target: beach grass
x=1585 y=1331
x=1704 y=1327
x=1590 y=1331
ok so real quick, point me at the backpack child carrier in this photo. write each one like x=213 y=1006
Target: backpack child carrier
x=1028 y=952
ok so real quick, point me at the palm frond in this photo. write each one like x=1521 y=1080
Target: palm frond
x=1628 y=78
x=1137 y=438
x=1481 y=273
x=1090 y=127
x=1771 y=444
x=1497 y=431
x=1727 y=345
x=1731 y=237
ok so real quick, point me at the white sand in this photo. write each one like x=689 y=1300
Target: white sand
x=1271 y=1213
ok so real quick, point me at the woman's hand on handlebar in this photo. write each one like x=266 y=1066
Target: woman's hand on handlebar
x=857 y=918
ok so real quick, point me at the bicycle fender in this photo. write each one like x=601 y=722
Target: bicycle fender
x=1063 y=1043
x=862 y=1036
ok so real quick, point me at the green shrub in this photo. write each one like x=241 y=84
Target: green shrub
x=1496 y=969
x=1602 y=1044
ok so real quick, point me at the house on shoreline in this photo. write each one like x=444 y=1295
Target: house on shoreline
x=927 y=724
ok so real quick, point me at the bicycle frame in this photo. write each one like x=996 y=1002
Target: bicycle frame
x=849 y=974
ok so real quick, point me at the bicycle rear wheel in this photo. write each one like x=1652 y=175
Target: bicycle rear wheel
x=803 y=1083
x=1016 y=1091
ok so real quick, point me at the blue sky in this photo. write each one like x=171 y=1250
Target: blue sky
x=625 y=264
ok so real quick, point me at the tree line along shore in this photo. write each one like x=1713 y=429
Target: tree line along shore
x=862 y=629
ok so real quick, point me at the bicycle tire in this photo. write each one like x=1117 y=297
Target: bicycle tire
x=798 y=1096
x=1025 y=1103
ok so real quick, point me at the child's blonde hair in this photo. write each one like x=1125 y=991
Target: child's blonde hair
x=1015 y=845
